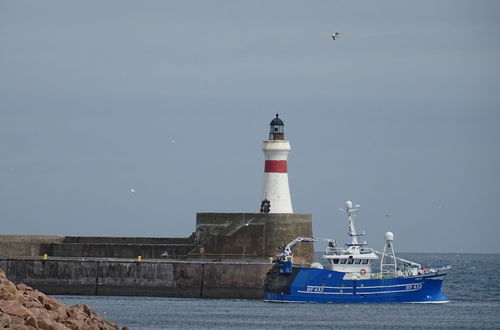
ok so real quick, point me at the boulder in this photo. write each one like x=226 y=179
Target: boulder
x=22 y=307
x=15 y=308
x=5 y=320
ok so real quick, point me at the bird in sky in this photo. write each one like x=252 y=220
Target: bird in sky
x=335 y=35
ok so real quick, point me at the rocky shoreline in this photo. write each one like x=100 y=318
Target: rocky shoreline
x=22 y=307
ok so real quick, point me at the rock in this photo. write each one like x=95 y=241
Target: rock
x=87 y=310
x=32 y=304
x=14 y=321
x=22 y=307
x=23 y=327
x=72 y=324
x=5 y=296
x=48 y=324
x=39 y=296
x=15 y=308
x=7 y=286
x=5 y=320
x=31 y=321
x=23 y=287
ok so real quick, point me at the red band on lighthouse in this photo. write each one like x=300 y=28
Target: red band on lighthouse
x=276 y=166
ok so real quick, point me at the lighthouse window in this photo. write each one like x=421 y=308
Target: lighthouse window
x=365 y=261
x=358 y=261
x=342 y=261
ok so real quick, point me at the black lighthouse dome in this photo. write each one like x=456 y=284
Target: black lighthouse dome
x=277 y=121
x=277 y=129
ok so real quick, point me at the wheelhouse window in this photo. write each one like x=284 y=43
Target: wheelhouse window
x=335 y=261
x=358 y=261
x=365 y=261
x=351 y=261
x=342 y=261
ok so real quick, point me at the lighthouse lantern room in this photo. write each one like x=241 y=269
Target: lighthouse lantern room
x=277 y=131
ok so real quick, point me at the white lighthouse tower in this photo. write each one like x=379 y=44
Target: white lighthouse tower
x=275 y=196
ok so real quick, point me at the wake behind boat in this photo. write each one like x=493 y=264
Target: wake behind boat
x=351 y=277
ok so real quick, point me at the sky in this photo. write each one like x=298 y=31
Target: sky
x=173 y=100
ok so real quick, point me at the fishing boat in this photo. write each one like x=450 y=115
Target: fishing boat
x=353 y=274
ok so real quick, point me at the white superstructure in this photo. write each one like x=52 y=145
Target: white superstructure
x=355 y=259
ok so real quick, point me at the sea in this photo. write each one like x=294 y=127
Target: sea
x=473 y=286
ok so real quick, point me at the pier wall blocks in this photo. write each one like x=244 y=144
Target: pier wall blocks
x=147 y=278
x=105 y=250
x=27 y=245
x=253 y=234
x=103 y=247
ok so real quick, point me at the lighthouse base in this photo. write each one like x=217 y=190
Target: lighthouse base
x=251 y=236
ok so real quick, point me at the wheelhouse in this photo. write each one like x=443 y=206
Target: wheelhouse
x=354 y=260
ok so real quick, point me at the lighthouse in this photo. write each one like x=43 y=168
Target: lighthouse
x=275 y=196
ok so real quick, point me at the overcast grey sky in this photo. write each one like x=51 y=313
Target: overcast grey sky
x=173 y=99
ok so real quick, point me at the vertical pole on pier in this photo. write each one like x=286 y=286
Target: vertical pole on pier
x=202 y=279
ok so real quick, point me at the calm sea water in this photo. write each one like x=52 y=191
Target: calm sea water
x=473 y=285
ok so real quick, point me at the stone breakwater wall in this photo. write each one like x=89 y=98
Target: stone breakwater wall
x=22 y=307
x=222 y=236
x=227 y=256
x=101 y=247
x=97 y=276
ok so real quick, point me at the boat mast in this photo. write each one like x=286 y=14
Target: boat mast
x=388 y=264
x=350 y=210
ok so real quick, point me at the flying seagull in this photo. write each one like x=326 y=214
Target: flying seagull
x=335 y=35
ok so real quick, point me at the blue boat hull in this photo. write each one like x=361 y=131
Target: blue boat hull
x=326 y=286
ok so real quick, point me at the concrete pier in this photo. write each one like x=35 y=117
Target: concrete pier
x=119 y=277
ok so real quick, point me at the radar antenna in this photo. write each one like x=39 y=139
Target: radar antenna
x=388 y=264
